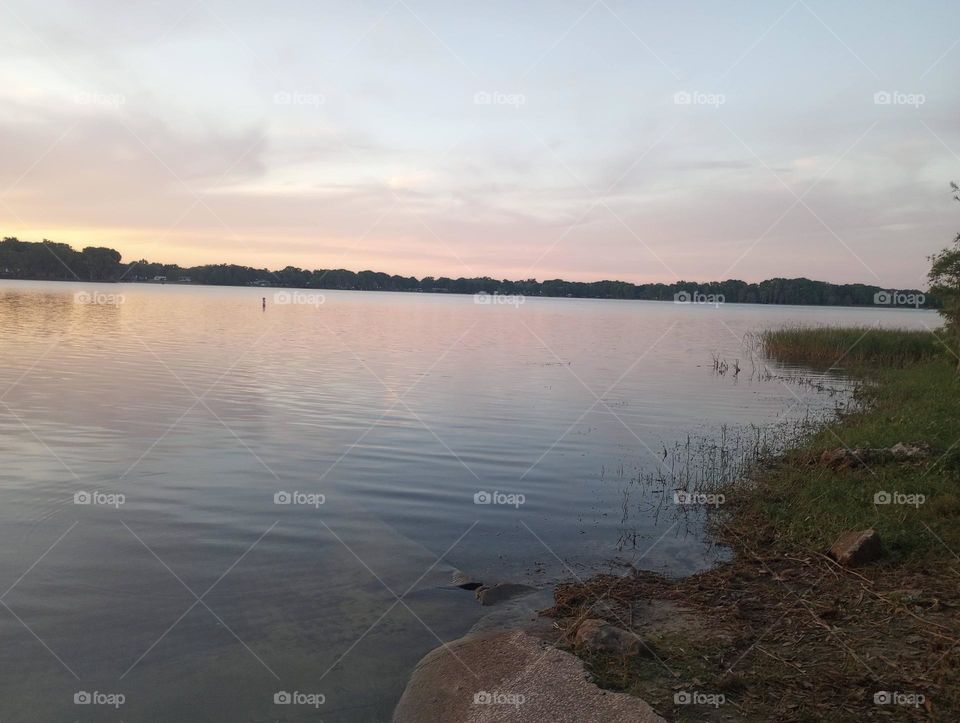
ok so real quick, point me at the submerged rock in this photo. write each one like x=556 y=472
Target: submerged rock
x=464 y=581
x=491 y=595
x=857 y=547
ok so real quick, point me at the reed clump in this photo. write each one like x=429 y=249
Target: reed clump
x=845 y=347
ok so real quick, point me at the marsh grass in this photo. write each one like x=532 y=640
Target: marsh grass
x=850 y=347
x=709 y=464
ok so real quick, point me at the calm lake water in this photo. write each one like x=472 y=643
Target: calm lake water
x=198 y=597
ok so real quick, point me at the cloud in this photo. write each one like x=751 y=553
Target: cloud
x=596 y=174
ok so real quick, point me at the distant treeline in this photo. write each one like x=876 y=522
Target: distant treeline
x=47 y=260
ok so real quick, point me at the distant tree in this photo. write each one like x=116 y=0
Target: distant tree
x=944 y=279
x=101 y=263
x=49 y=260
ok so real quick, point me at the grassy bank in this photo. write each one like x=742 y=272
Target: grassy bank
x=910 y=395
x=782 y=632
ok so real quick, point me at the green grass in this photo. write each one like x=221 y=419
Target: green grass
x=910 y=394
x=852 y=346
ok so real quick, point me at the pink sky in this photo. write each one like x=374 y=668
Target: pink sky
x=643 y=145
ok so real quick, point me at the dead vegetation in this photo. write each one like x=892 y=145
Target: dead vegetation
x=781 y=637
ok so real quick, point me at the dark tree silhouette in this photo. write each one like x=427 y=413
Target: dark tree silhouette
x=48 y=260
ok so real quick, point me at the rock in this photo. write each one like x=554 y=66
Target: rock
x=910 y=451
x=841 y=458
x=598 y=636
x=857 y=548
x=491 y=595
x=464 y=581
x=511 y=676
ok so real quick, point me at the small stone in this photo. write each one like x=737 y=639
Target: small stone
x=598 y=636
x=857 y=548
x=909 y=451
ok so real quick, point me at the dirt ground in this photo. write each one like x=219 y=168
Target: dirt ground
x=780 y=636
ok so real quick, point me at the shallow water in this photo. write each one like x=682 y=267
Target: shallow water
x=199 y=598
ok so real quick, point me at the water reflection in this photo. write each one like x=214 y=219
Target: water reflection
x=201 y=598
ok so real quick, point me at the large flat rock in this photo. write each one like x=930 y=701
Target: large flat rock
x=489 y=678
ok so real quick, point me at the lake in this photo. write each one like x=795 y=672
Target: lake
x=207 y=504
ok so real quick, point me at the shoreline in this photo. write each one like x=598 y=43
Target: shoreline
x=788 y=628
x=684 y=293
